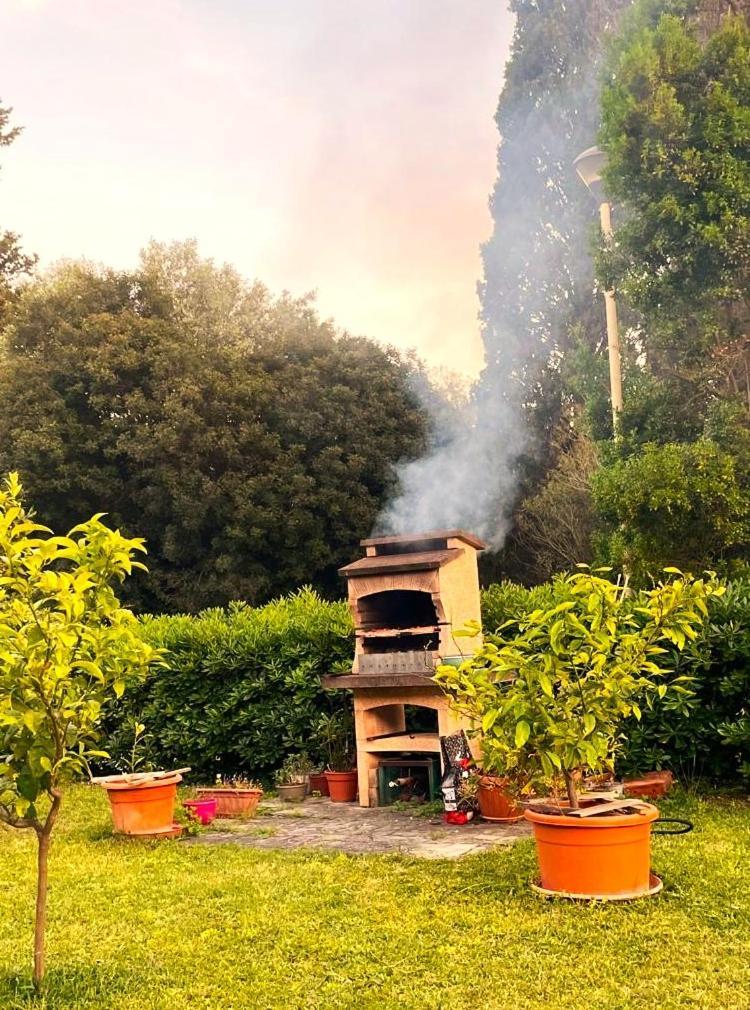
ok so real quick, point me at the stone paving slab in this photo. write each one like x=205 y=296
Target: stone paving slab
x=346 y=827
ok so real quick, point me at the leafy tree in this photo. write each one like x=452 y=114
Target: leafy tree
x=677 y=130
x=251 y=455
x=67 y=647
x=538 y=295
x=677 y=503
x=13 y=262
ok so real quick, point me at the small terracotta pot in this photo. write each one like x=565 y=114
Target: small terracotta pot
x=342 y=786
x=594 y=857
x=319 y=783
x=233 y=802
x=495 y=803
x=293 y=792
x=145 y=808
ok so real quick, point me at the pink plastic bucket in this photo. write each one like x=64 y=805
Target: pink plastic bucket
x=204 y=810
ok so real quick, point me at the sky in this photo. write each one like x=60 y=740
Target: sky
x=345 y=147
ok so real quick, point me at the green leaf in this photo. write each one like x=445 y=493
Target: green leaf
x=523 y=731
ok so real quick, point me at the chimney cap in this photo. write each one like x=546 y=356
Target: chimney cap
x=418 y=538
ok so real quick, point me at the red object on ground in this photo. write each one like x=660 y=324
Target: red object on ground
x=604 y=856
x=650 y=786
x=457 y=817
x=204 y=809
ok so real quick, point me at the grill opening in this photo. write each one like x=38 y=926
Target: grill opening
x=397 y=608
x=401 y=643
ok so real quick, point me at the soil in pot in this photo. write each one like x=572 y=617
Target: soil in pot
x=595 y=857
x=142 y=808
x=293 y=792
x=495 y=803
x=233 y=802
x=342 y=786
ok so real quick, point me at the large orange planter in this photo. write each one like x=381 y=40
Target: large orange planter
x=146 y=808
x=595 y=857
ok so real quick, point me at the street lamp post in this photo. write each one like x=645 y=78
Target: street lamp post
x=589 y=166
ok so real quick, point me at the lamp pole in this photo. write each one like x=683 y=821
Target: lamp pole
x=589 y=166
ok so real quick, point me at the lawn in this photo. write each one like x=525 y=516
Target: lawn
x=140 y=926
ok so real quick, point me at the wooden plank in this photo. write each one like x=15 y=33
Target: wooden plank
x=606 y=808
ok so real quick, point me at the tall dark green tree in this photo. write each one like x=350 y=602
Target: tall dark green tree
x=250 y=455
x=538 y=292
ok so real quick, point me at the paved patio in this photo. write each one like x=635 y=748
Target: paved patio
x=346 y=827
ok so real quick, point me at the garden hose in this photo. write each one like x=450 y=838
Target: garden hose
x=683 y=829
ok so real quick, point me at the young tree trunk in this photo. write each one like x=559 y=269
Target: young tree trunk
x=44 y=837
x=572 y=791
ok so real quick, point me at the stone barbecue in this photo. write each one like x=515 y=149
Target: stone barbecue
x=408 y=596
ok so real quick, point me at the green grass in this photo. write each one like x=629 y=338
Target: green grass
x=141 y=926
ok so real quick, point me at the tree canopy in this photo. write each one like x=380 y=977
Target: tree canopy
x=248 y=442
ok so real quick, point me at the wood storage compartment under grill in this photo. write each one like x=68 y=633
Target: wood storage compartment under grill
x=408 y=596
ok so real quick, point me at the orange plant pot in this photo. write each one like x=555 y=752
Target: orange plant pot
x=594 y=857
x=495 y=804
x=233 y=802
x=143 y=809
x=342 y=786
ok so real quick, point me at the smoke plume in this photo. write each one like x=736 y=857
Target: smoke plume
x=538 y=278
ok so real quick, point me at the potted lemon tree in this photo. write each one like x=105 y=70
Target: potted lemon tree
x=550 y=692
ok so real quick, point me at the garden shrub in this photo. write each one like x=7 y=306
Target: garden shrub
x=709 y=735
x=506 y=601
x=240 y=688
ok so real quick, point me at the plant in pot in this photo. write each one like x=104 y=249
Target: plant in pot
x=550 y=691
x=142 y=801
x=234 y=796
x=335 y=733
x=291 y=778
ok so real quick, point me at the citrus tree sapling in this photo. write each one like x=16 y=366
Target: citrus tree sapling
x=67 y=647
x=550 y=690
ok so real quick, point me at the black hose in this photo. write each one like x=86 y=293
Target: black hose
x=683 y=829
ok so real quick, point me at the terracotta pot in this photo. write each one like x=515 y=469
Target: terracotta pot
x=594 y=857
x=650 y=786
x=495 y=803
x=233 y=802
x=145 y=808
x=319 y=783
x=342 y=786
x=293 y=792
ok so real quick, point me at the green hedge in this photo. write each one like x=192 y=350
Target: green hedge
x=241 y=687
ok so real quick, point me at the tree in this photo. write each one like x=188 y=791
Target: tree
x=679 y=503
x=538 y=296
x=249 y=442
x=67 y=647
x=13 y=262
x=677 y=130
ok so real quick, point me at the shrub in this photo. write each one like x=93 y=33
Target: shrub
x=708 y=734
x=241 y=687
x=508 y=601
